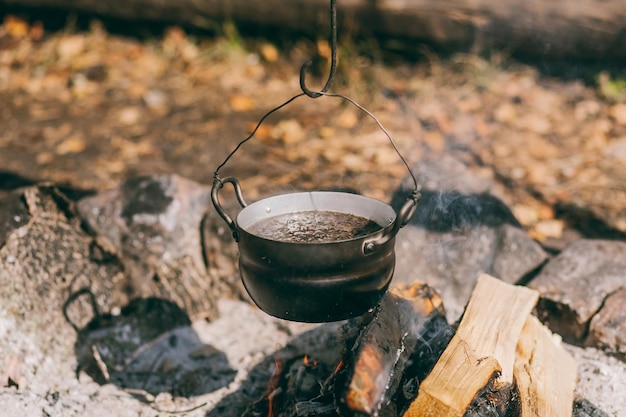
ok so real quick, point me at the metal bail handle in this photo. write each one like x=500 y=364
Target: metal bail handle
x=402 y=218
x=218 y=184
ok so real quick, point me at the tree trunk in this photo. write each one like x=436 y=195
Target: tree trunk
x=581 y=29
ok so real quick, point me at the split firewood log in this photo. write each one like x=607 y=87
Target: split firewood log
x=545 y=373
x=478 y=362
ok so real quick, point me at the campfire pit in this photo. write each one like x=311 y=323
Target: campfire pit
x=404 y=359
x=386 y=362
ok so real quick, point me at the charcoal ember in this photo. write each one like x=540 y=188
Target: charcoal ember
x=432 y=341
x=296 y=388
x=575 y=284
x=315 y=408
x=154 y=225
x=297 y=379
x=584 y=408
x=401 y=343
x=492 y=402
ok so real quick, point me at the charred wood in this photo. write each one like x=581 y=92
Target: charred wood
x=584 y=408
x=381 y=357
x=495 y=402
x=400 y=345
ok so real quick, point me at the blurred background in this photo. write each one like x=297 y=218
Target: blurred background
x=531 y=95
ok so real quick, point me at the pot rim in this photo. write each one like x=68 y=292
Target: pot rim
x=298 y=202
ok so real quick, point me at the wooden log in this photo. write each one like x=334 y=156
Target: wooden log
x=482 y=351
x=580 y=29
x=545 y=373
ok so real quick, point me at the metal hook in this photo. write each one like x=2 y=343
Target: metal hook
x=333 y=59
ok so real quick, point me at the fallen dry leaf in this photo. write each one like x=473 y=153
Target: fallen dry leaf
x=269 y=52
x=70 y=46
x=129 y=115
x=348 y=118
x=290 y=131
x=241 y=103
x=73 y=144
x=552 y=228
x=618 y=113
x=15 y=27
x=526 y=215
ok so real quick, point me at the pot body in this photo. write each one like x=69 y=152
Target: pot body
x=316 y=282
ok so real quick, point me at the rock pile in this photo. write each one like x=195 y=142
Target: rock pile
x=92 y=269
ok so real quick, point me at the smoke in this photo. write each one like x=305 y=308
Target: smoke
x=452 y=211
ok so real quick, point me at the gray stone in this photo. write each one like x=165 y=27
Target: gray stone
x=154 y=225
x=46 y=258
x=607 y=330
x=461 y=229
x=575 y=284
x=448 y=173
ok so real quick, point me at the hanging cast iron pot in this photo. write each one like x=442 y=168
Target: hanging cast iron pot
x=315 y=256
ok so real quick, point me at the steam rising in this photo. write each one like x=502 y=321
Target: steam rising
x=453 y=238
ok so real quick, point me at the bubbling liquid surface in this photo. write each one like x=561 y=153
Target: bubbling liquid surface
x=314 y=227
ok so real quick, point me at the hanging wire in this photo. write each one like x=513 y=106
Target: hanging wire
x=251 y=135
x=305 y=90
x=315 y=94
x=320 y=93
x=385 y=131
